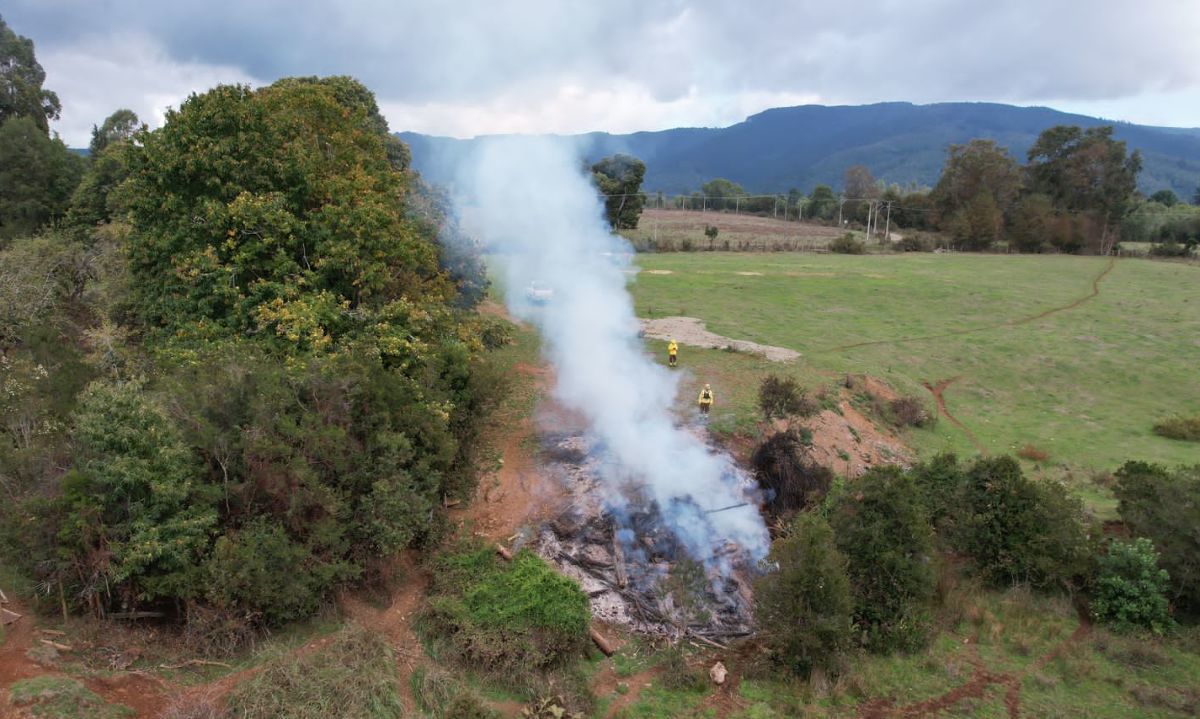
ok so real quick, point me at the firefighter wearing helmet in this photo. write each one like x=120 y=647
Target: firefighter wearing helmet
x=706 y=399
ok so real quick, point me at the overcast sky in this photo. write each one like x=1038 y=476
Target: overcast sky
x=490 y=66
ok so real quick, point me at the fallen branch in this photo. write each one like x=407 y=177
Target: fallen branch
x=8 y=617
x=59 y=647
x=708 y=641
x=504 y=552
x=605 y=645
x=3 y=597
x=53 y=632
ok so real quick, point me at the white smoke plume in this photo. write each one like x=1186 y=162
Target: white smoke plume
x=535 y=207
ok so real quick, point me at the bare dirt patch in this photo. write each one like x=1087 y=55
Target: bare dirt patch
x=850 y=443
x=691 y=331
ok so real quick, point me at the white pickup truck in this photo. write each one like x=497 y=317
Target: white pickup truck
x=539 y=293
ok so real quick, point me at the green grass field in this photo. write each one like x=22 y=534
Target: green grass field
x=1084 y=384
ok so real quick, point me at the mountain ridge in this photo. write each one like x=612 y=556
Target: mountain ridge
x=805 y=145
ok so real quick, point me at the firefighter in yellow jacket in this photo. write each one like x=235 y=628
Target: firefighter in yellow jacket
x=672 y=353
x=706 y=399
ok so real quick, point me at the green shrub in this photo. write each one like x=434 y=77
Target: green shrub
x=909 y=412
x=1185 y=428
x=882 y=529
x=782 y=397
x=804 y=607
x=514 y=616
x=678 y=675
x=939 y=483
x=1162 y=505
x=1017 y=530
x=848 y=245
x=352 y=676
x=259 y=571
x=1131 y=589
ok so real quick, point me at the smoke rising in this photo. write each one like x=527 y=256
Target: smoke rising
x=535 y=208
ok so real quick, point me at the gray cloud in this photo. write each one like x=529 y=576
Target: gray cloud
x=515 y=61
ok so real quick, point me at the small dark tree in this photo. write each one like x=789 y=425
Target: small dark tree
x=619 y=179
x=787 y=474
x=804 y=607
x=884 y=533
x=1165 y=197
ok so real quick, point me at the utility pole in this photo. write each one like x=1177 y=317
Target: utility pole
x=887 y=228
x=841 y=201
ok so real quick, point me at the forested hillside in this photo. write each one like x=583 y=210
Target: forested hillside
x=805 y=146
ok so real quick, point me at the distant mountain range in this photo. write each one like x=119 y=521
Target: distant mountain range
x=813 y=144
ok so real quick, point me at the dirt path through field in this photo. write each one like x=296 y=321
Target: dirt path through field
x=981 y=681
x=995 y=325
x=938 y=390
x=691 y=331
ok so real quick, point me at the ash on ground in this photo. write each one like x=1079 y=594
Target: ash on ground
x=629 y=562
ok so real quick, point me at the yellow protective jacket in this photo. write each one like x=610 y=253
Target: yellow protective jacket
x=672 y=349
x=706 y=396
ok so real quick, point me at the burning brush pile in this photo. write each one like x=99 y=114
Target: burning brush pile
x=629 y=560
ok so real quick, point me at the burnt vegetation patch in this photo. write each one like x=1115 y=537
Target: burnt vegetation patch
x=789 y=478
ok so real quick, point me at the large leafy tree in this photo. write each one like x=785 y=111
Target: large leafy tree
x=619 y=179
x=1086 y=171
x=975 y=166
x=37 y=176
x=278 y=212
x=21 y=78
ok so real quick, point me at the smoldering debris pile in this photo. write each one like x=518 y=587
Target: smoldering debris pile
x=626 y=557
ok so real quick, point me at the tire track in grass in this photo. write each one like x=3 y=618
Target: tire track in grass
x=994 y=325
x=981 y=680
x=938 y=391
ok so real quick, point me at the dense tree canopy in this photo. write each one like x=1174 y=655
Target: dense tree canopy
x=37 y=176
x=277 y=211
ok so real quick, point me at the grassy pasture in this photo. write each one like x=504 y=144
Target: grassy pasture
x=1085 y=384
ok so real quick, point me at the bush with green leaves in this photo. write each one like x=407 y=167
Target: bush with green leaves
x=1131 y=590
x=495 y=616
x=883 y=531
x=1018 y=530
x=804 y=607
x=847 y=244
x=782 y=397
x=1162 y=505
x=136 y=519
x=1184 y=428
x=939 y=484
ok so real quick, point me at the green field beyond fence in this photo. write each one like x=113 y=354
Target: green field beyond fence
x=1077 y=356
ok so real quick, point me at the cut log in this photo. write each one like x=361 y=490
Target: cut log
x=604 y=644
x=56 y=645
x=7 y=617
x=504 y=552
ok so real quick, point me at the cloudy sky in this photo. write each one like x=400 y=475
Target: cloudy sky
x=488 y=66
